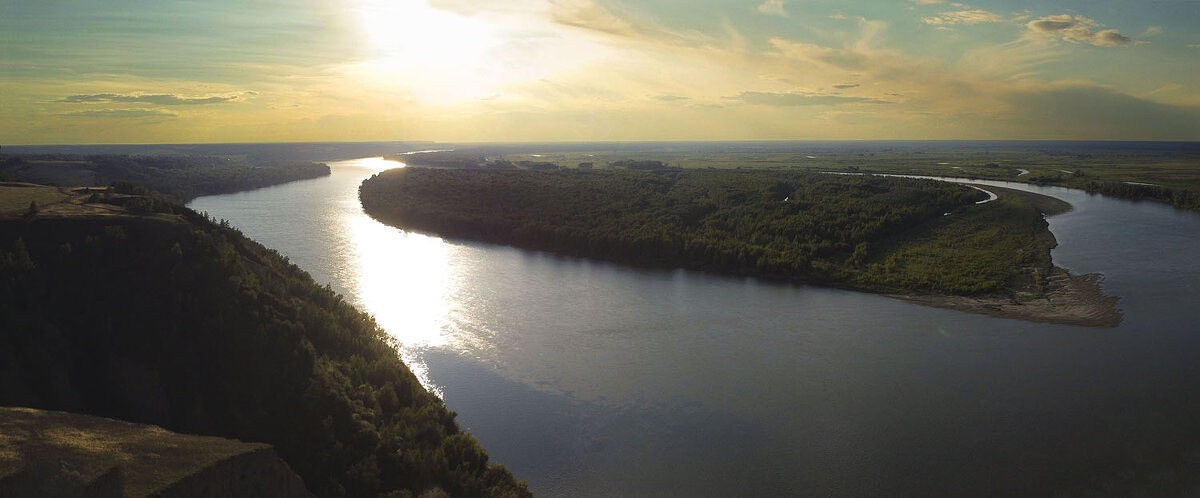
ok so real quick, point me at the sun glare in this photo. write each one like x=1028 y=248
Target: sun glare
x=442 y=57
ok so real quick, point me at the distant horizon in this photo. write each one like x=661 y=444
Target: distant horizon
x=572 y=142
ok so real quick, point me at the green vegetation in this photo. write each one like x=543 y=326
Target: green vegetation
x=1162 y=172
x=18 y=196
x=875 y=233
x=181 y=322
x=984 y=249
x=179 y=178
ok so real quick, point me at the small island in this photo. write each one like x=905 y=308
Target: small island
x=926 y=241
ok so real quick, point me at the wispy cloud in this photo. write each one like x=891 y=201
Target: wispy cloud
x=1078 y=29
x=669 y=98
x=773 y=8
x=586 y=14
x=122 y=113
x=963 y=17
x=801 y=98
x=846 y=85
x=154 y=99
x=838 y=57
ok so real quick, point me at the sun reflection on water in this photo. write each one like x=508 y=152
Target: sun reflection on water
x=404 y=279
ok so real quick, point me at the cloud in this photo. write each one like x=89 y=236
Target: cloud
x=590 y=15
x=928 y=2
x=846 y=85
x=1019 y=59
x=1152 y=31
x=801 y=98
x=963 y=17
x=1077 y=29
x=586 y=14
x=669 y=98
x=773 y=8
x=155 y=99
x=123 y=113
x=841 y=58
x=1078 y=111
x=1110 y=38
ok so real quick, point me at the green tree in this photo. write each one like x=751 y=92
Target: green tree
x=31 y=212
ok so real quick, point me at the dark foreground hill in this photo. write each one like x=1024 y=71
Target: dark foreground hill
x=170 y=319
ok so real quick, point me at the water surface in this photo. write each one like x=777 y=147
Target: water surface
x=592 y=379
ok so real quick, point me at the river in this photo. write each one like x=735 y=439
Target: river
x=592 y=379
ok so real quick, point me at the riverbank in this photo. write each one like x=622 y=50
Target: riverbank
x=1068 y=299
x=1049 y=206
x=1056 y=297
x=1044 y=293
x=892 y=236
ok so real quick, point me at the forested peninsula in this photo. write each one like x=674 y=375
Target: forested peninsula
x=130 y=307
x=928 y=241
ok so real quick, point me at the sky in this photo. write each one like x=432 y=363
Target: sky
x=196 y=71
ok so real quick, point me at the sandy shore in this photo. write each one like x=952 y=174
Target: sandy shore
x=1049 y=206
x=1066 y=299
x=1069 y=299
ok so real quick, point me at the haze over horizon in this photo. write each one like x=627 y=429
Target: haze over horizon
x=137 y=71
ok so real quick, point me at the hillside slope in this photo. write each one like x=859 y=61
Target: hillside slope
x=171 y=319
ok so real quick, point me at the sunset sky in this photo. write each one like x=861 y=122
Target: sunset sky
x=154 y=71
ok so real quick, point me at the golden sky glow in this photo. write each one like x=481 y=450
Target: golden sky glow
x=135 y=71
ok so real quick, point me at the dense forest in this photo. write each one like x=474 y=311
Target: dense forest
x=179 y=178
x=1157 y=171
x=178 y=321
x=873 y=233
x=1186 y=199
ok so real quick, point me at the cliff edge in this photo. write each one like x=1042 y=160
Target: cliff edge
x=49 y=453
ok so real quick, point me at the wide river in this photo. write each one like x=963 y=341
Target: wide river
x=592 y=379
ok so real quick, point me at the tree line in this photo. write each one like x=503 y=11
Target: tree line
x=179 y=178
x=833 y=229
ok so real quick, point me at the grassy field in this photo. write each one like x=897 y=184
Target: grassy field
x=180 y=178
x=15 y=197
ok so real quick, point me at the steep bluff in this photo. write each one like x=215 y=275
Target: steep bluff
x=49 y=453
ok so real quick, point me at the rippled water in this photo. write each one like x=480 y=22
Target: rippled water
x=592 y=379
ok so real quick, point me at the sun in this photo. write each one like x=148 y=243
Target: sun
x=442 y=57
